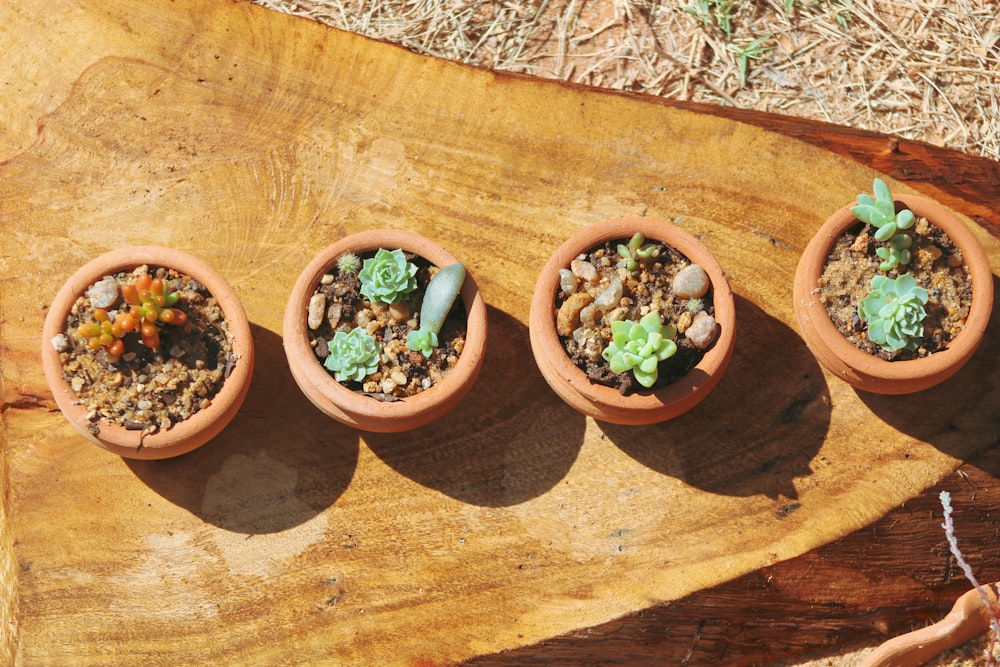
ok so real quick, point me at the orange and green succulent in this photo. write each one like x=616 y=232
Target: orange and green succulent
x=146 y=306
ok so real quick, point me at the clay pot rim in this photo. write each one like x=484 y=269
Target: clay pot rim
x=200 y=427
x=813 y=260
x=351 y=407
x=608 y=404
x=967 y=619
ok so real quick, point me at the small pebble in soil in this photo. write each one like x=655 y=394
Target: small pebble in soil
x=583 y=270
x=333 y=314
x=611 y=295
x=691 y=282
x=60 y=343
x=567 y=281
x=568 y=317
x=317 y=309
x=103 y=293
x=702 y=331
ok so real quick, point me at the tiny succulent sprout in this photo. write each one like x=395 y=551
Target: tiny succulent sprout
x=637 y=251
x=387 y=277
x=354 y=355
x=640 y=347
x=897 y=253
x=423 y=341
x=440 y=295
x=894 y=312
x=880 y=212
x=348 y=263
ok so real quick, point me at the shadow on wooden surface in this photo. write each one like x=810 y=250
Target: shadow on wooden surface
x=763 y=432
x=252 y=485
x=507 y=462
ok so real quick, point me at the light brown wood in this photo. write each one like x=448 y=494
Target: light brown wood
x=252 y=140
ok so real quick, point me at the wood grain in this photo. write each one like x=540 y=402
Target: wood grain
x=253 y=139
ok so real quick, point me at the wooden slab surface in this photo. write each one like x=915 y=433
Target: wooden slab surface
x=253 y=139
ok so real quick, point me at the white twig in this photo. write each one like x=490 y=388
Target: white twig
x=991 y=611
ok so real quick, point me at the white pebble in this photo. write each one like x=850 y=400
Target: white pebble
x=691 y=282
x=103 y=293
x=327 y=279
x=60 y=343
x=567 y=281
x=317 y=309
x=611 y=295
x=583 y=270
x=616 y=315
x=702 y=331
x=333 y=314
x=76 y=383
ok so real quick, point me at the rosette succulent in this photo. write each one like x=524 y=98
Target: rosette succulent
x=640 y=347
x=387 y=277
x=353 y=355
x=880 y=212
x=894 y=312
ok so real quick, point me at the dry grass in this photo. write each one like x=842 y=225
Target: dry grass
x=920 y=69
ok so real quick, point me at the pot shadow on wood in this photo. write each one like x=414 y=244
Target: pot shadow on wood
x=854 y=592
x=760 y=427
x=511 y=438
x=278 y=464
x=960 y=416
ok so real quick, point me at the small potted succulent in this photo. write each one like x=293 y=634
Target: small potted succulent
x=893 y=294
x=385 y=331
x=632 y=321
x=148 y=352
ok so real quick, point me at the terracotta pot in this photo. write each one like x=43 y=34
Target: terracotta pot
x=183 y=436
x=604 y=403
x=354 y=408
x=966 y=620
x=865 y=371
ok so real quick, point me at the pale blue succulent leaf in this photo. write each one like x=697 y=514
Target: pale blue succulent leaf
x=439 y=297
x=881 y=191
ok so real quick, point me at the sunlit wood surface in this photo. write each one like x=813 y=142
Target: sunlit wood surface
x=514 y=529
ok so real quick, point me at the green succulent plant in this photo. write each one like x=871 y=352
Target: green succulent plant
x=640 y=347
x=880 y=212
x=354 y=355
x=636 y=252
x=387 y=277
x=439 y=297
x=897 y=253
x=148 y=301
x=348 y=263
x=894 y=312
